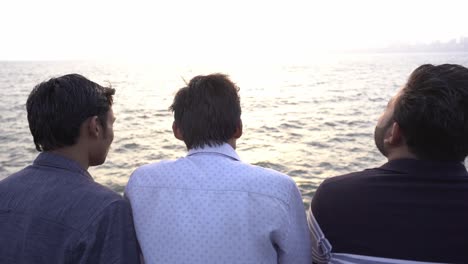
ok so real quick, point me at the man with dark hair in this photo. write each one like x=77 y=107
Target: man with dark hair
x=210 y=207
x=414 y=207
x=53 y=211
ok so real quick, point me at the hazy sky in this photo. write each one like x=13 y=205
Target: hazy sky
x=204 y=30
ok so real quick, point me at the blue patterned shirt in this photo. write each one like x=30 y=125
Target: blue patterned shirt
x=53 y=212
x=210 y=207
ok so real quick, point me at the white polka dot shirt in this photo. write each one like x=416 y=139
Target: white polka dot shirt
x=209 y=207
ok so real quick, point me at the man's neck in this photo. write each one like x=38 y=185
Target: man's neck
x=232 y=142
x=74 y=153
x=400 y=153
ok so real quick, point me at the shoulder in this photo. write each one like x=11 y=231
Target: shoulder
x=94 y=200
x=268 y=174
x=15 y=178
x=268 y=181
x=350 y=180
x=61 y=188
x=346 y=191
x=117 y=207
x=67 y=198
x=102 y=193
x=147 y=173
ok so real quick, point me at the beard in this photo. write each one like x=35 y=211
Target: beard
x=379 y=136
x=379 y=133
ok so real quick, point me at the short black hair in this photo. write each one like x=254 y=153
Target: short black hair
x=57 y=108
x=207 y=111
x=432 y=111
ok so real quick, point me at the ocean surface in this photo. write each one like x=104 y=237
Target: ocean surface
x=311 y=121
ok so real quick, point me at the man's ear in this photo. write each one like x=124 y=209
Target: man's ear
x=394 y=136
x=94 y=126
x=238 y=132
x=176 y=131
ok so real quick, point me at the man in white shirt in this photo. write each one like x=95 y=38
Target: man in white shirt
x=210 y=207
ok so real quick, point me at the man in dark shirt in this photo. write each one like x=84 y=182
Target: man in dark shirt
x=53 y=211
x=415 y=207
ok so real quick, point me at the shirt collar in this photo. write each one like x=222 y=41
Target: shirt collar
x=224 y=149
x=426 y=167
x=59 y=161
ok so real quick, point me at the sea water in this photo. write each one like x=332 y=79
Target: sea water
x=311 y=120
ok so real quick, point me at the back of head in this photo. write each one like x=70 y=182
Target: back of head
x=432 y=111
x=57 y=108
x=207 y=111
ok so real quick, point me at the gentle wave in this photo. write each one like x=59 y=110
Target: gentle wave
x=308 y=123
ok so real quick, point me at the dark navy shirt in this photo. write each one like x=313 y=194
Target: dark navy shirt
x=53 y=212
x=406 y=209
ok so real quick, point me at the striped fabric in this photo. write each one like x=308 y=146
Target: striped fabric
x=322 y=250
x=338 y=258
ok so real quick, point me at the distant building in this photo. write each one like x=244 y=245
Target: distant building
x=453 y=45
